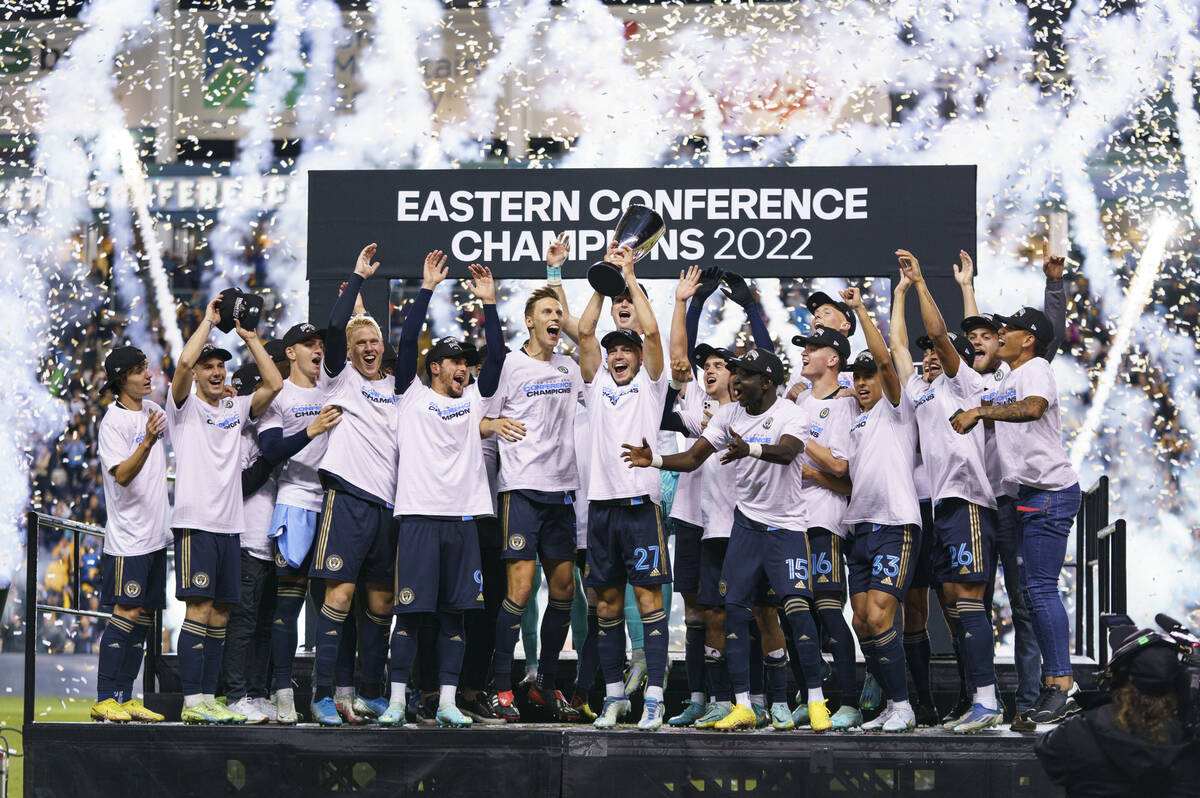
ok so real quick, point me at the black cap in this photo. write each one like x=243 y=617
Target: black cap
x=960 y=344
x=237 y=304
x=276 y=350
x=246 y=379
x=823 y=336
x=821 y=298
x=625 y=293
x=627 y=337
x=299 y=333
x=451 y=347
x=760 y=361
x=1031 y=320
x=118 y=363
x=982 y=320
x=213 y=351
x=1149 y=660
x=865 y=362
x=703 y=352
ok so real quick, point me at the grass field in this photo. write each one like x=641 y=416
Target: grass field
x=47 y=709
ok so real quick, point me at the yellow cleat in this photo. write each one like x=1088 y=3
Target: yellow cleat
x=739 y=717
x=110 y=711
x=818 y=716
x=138 y=712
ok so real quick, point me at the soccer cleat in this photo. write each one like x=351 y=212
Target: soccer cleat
x=847 y=717
x=781 y=717
x=581 y=705
x=228 y=714
x=978 y=719
x=265 y=706
x=635 y=676
x=449 y=715
x=871 y=697
x=800 y=715
x=692 y=711
x=345 y=708
x=392 y=716
x=900 y=719
x=556 y=705
x=819 y=719
x=652 y=715
x=479 y=709
x=138 y=712
x=876 y=723
x=739 y=717
x=614 y=710
x=962 y=707
x=761 y=716
x=714 y=712
x=285 y=707
x=201 y=713
x=926 y=715
x=110 y=711
x=1052 y=706
x=245 y=706
x=505 y=706
x=370 y=708
x=325 y=712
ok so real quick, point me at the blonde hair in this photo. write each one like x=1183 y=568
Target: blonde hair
x=362 y=320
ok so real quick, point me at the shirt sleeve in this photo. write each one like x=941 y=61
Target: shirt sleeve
x=243 y=405
x=1036 y=379
x=691 y=409
x=717 y=431
x=966 y=384
x=273 y=418
x=116 y=445
x=837 y=432
x=796 y=425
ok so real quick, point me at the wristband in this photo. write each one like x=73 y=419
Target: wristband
x=656 y=461
x=554 y=275
x=756 y=450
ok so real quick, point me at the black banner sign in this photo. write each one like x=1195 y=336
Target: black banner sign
x=763 y=222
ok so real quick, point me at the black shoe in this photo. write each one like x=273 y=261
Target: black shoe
x=553 y=704
x=505 y=706
x=961 y=708
x=427 y=713
x=479 y=709
x=1052 y=706
x=926 y=715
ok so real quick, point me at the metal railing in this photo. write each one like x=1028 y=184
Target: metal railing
x=34 y=523
x=1100 y=558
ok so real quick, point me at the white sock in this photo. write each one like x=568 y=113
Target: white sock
x=399 y=696
x=902 y=706
x=286 y=691
x=697 y=698
x=209 y=697
x=986 y=696
x=654 y=691
x=779 y=653
x=815 y=695
x=614 y=689
x=742 y=700
x=343 y=694
x=446 y=695
x=193 y=700
x=758 y=698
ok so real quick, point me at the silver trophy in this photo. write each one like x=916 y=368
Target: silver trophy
x=639 y=229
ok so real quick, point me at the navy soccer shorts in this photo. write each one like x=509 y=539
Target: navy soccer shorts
x=924 y=574
x=765 y=564
x=881 y=558
x=208 y=565
x=828 y=561
x=138 y=580
x=712 y=562
x=437 y=565
x=964 y=538
x=626 y=543
x=687 y=557
x=356 y=539
x=535 y=529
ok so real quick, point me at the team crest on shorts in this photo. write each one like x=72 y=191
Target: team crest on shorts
x=824 y=412
x=407 y=595
x=333 y=563
x=721 y=587
x=516 y=542
x=133 y=589
x=200 y=579
x=282 y=563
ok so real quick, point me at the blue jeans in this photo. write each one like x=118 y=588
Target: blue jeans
x=1046 y=517
x=1025 y=647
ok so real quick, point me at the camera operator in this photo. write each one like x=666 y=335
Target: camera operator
x=1135 y=744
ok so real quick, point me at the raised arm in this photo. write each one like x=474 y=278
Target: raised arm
x=272 y=380
x=685 y=289
x=433 y=272
x=1054 y=303
x=484 y=287
x=181 y=381
x=590 y=356
x=964 y=275
x=901 y=354
x=734 y=287
x=335 y=337
x=879 y=350
x=931 y=316
x=556 y=256
x=652 y=350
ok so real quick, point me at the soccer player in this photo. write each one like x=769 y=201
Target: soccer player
x=830 y=313
x=356 y=536
x=133 y=565
x=825 y=487
x=964 y=507
x=439 y=426
x=884 y=515
x=1037 y=474
x=209 y=517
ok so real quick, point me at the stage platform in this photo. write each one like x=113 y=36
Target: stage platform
x=73 y=759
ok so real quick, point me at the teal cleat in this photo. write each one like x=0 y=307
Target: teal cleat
x=691 y=713
x=781 y=717
x=392 y=716
x=450 y=715
x=847 y=717
x=761 y=717
x=713 y=713
x=871 y=697
x=800 y=715
x=325 y=712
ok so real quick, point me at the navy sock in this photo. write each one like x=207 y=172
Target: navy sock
x=556 y=624
x=841 y=645
x=872 y=667
x=451 y=646
x=285 y=637
x=192 y=635
x=611 y=647
x=113 y=645
x=977 y=641
x=755 y=655
x=889 y=654
x=508 y=629
x=804 y=635
x=775 y=668
x=589 y=656
x=960 y=659
x=134 y=652
x=793 y=659
x=404 y=646
x=214 y=652
x=343 y=666
x=693 y=656
x=654 y=643
x=738 y=645
x=330 y=623
x=427 y=653
x=916 y=654
x=374 y=641
x=718 y=674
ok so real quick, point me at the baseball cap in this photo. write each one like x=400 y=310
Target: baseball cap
x=703 y=352
x=823 y=336
x=237 y=304
x=760 y=361
x=627 y=337
x=246 y=378
x=1032 y=321
x=451 y=347
x=276 y=350
x=625 y=293
x=961 y=345
x=820 y=298
x=864 y=361
x=118 y=362
x=214 y=351
x=982 y=320
x=299 y=333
